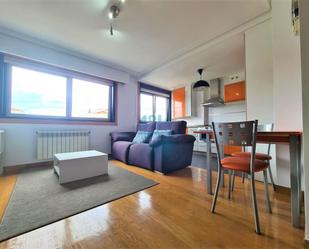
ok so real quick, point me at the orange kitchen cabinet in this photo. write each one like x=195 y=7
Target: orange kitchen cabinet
x=235 y=92
x=179 y=102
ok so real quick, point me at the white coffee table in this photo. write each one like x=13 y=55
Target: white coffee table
x=74 y=166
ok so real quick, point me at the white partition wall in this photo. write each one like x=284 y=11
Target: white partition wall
x=304 y=39
x=259 y=81
x=286 y=82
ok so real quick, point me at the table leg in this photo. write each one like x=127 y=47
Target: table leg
x=209 y=170
x=295 y=169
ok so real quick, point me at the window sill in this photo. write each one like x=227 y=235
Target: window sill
x=55 y=121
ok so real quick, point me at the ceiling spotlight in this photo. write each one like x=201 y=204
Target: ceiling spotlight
x=114 y=11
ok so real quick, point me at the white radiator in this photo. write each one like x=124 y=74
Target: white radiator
x=52 y=142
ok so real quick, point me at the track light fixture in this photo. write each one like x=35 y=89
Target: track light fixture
x=113 y=13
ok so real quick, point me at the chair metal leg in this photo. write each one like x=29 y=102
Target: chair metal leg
x=233 y=180
x=254 y=203
x=214 y=200
x=267 y=192
x=243 y=177
x=271 y=178
x=222 y=178
x=230 y=183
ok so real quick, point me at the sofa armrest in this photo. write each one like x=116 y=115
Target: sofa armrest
x=122 y=136
x=180 y=138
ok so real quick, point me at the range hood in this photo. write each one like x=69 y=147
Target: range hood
x=214 y=94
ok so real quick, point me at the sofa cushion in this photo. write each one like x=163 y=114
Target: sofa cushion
x=141 y=155
x=120 y=150
x=122 y=136
x=150 y=127
x=142 y=137
x=158 y=133
x=177 y=127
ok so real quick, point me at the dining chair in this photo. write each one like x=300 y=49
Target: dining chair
x=240 y=134
x=261 y=156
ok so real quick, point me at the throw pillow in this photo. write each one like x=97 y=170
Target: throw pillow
x=142 y=137
x=157 y=133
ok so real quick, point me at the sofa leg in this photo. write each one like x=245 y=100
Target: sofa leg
x=161 y=173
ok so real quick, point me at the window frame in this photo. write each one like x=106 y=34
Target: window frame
x=6 y=92
x=154 y=92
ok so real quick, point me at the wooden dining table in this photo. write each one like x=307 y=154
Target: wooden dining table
x=291 y=138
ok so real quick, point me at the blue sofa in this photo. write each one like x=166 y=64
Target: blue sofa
x=164 y=154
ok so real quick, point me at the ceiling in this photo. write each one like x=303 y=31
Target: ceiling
x=149 y=33
x=222 y=59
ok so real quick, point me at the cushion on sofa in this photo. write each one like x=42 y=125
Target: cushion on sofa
x=150 y=127
x=157 y=133
x=121 y=150
x=142 y=137
x=177 y=127
x=141 y=155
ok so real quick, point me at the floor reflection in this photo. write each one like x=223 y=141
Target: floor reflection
x=94 y=223
x=144 y=201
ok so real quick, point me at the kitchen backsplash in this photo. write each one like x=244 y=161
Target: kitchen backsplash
x=228 y=113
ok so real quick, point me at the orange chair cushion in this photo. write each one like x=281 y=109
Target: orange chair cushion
x=243 y=164
x=260 y=156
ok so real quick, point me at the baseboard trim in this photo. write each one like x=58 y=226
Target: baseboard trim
x=9 y=170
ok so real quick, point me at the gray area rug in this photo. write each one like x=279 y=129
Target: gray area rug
x=38 y=199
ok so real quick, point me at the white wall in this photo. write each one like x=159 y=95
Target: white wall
x=287 y=69
x=287 y=98
x=273 y=76
x=259 y=82
x=304 y=41
x=259 y=73
x=12 y=43
x=20 y=147
x=198 y=111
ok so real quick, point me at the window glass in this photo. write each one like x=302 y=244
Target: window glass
x=89 y=99
x=146 y=105
x=161 y=108
x=37 y=93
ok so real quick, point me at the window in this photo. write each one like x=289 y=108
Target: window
x=146 y=103
x=154 y=103
x=161 y=108
x=41 y=91
x=89 y=100
x=35 y=93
